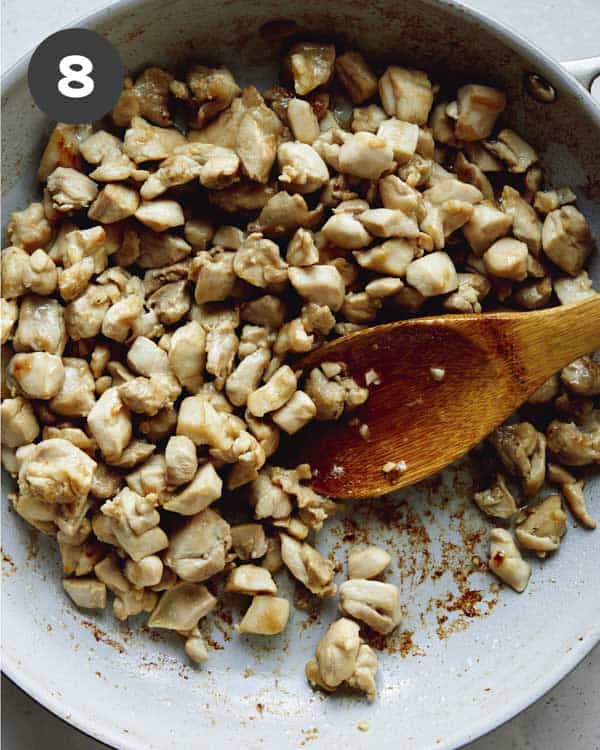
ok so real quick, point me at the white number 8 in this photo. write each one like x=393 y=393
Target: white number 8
x=65 y=84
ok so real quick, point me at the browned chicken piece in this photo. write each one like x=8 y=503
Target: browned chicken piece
x=147 y=97
x=310 y=65
x=522 y=450
x=209 y=91
x=63 y=149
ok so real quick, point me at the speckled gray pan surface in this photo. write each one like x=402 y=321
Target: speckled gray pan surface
x=468 y=655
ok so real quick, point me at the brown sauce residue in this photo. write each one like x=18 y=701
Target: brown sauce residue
x=9 y=562
x=102 y=637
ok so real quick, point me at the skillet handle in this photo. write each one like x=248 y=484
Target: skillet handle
x=585 y=70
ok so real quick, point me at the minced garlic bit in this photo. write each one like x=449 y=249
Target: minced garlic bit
x=372 y=378
x=394 y=467
x=437 y=373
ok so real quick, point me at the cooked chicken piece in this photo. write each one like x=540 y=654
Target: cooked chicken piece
x=497 y=500
x=9 y=314
x=406 y=94
x=159 y=250
x=472 y=289
x=136 y=453
x=267 y=615
x=249 y=542
x=160 y=214
x=199 y=232
x=268 y=499
x=513 y=151
x=388 y=222
x=39 y=275
x=366 y=156
x=145 y=395
x=195 y=645
x=146 y=572
x=297 y=413
x=98 y=147
x=544 y=526
x=181 y=460
x=506 y=561
x=303 y=121
x=577 y=289
x=368 y=119
x=19 y=423
x=114 y=203
x=148 y=96
x=522 y=450
x=284 y=213
x=70 y=190
x=401 y=136
x=432 y=275
x=214 y=275
x=258 y=262
x=346 y=231
x=171 y=302
x=551 y=200
x=526 y=224
x=268 y=311
x=274 y=394
x=566 y=239
x=204 y=488
x=507 y=259
x=63 y=148
x=307 y=565
x=109 y=422
x=88 y=593
x=74 y=280
x=582 y=377
x=310 y=64
x=302 y=169
x=41 y=326
x=575 y=499
x=38 y=375
x=87 y=243
x=367 y=562
x=547 y=392
x=218 y=167
x=75 y=397
x=146 y=142
x=120 y=317
x=477 y=108
x=15 y=266
x=29 y=228
x=486 y=225
x=320 y=284
x=250 y=580
x=198 y=548
x=246 y=377
x=301 y=250
x=135 y=524
x=187 y=355
x=356 y=76
x=571 y=446
x=375 y=603
x=221 y=348
x=85 y=315
x=181 y=607
x=212 y=91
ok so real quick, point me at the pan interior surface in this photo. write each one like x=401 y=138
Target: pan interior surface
x=468 y=655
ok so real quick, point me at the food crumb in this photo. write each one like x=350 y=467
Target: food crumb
x=372 y=378
x=363 y=726
x=394 y=467
x=437 y=373
x=337 y=471
x=331 y=369
x=364 y=431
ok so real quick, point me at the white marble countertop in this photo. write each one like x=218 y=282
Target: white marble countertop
x=567 y=718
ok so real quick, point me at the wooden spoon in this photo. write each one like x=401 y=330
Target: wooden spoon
x=492 y=363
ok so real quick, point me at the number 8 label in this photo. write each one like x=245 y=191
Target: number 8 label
x=80 y=75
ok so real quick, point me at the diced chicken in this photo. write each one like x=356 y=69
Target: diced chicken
x=302 y=169
x=303 y=121
x=307 y=565
x=85 y=315
x=198 y=547
x=114 y=203
x=297 y=413
x=582 y=377
x=250 y=580
x=497 y=501
x=187 y=355
x=432 y=275
x=120 y=317
x=566 y=239
x=182 y=606
x=109 y=422
x=401 y=136
x=513 y=151
x=507 y=259
x=204 y=488
x=366 y=156
x=63 y=148
x=486 y=225
x=146 y=572
x=506 y=561
x=522 y=450
x=406 y=94
x=544 y=526
x=9 y=314
x=477 y=109
x=356 y=76
x=267 y=615
x=148 y=96
x=310 y=65
x=472 y=289
x=367 y=562
x=577 y=289
x=146 y=142
x=368 y=119
x=199 y=232
x=41 y=326
x=215 y=278
x=181 y=460
x=212 y=90
x=571 y=446
x=70 y=190
x=87 y=593
x=526 y=225
x=19 y=423
x=375 y=603
x=38 y=375
x=274 y=394
x=284 y=213
x=29 y=228
x=346 y=231
x=259 y=263
x=160 y=214
x=145 y=395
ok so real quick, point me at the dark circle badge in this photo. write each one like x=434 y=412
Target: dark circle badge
x=75 y=75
